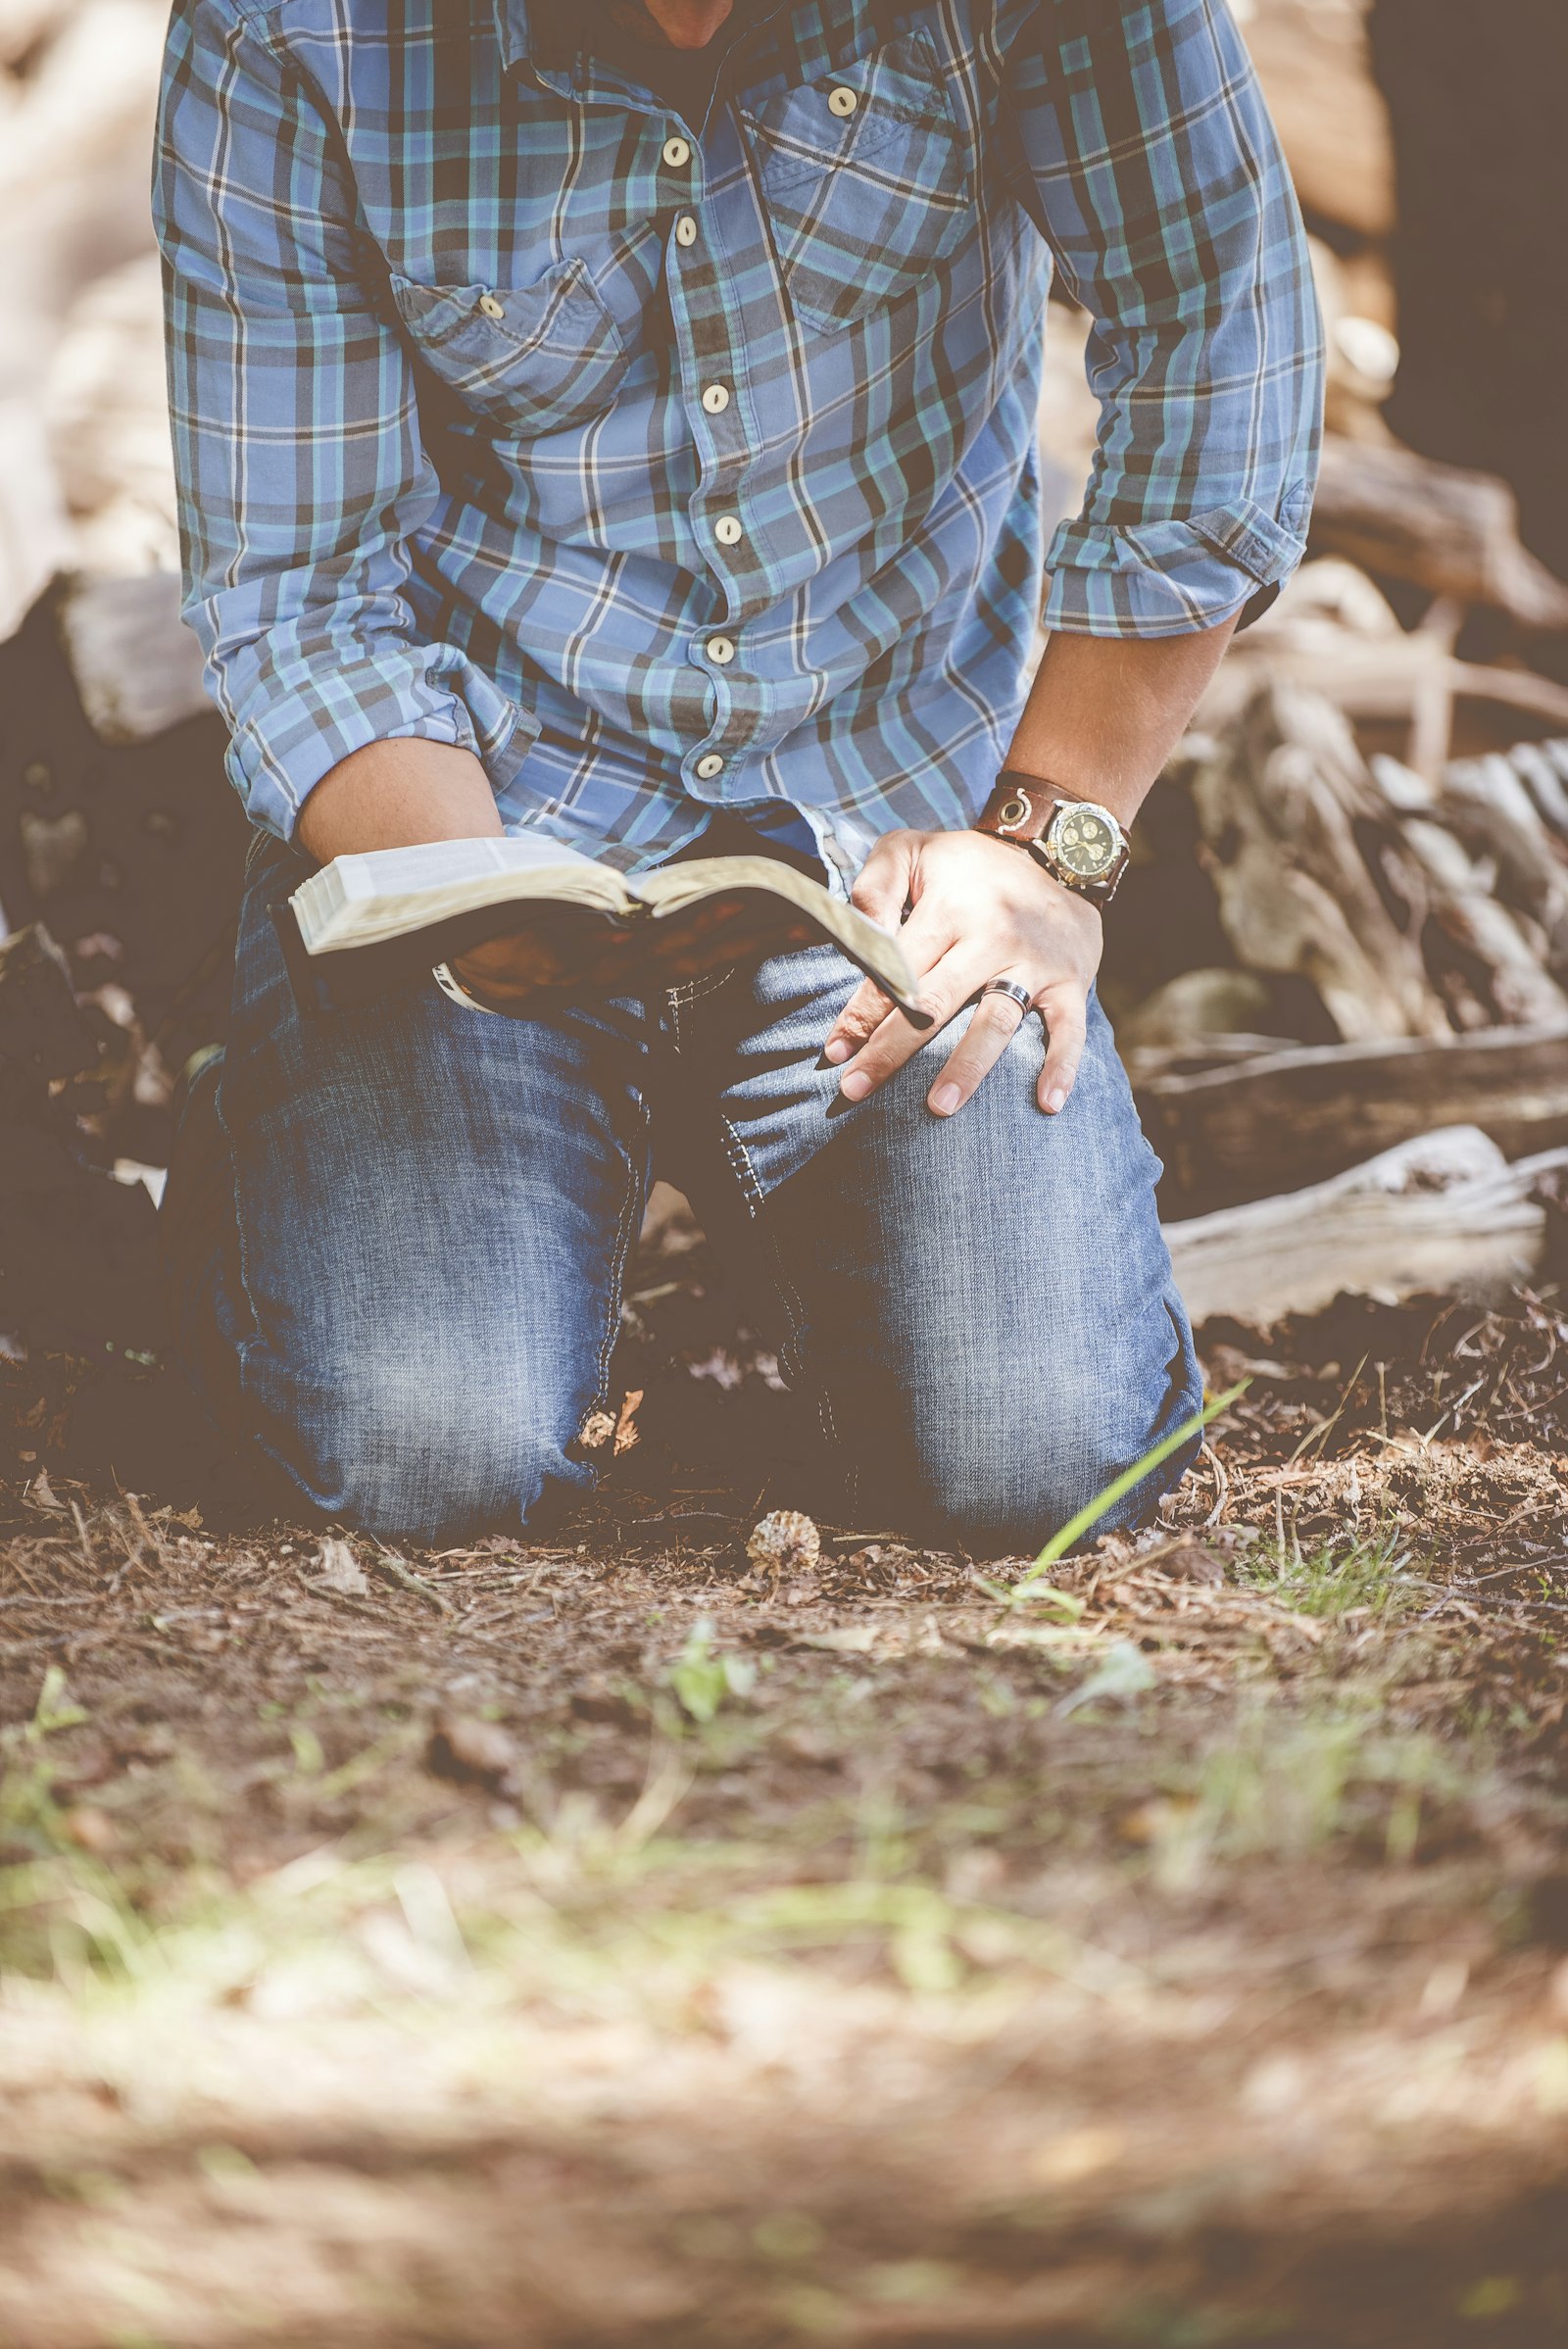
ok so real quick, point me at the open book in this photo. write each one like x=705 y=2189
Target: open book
x=365 y=923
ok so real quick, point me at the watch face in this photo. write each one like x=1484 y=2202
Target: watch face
x=1084 y=842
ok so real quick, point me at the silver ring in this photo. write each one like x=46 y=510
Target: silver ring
x=1014 y=992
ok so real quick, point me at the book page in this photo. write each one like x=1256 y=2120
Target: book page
x=395 y=893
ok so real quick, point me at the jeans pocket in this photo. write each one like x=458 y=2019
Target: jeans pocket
x=539 y=358
x=864 y=200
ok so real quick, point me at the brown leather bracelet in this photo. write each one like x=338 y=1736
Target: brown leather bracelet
x=1020 y=807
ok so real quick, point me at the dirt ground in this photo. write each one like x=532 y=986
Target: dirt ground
x=606 y=1942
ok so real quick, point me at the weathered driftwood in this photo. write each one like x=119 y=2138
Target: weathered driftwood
x=1453 y=532
x=1311 y=56
x=73 y=171
x=1497 y=976
x=1332 y=633
x=137 y=666
x=1444 y=1211
x=1412 y=904
x=108 y=411
x=34 y=534
x=1297 y=1117
x=1289 y=808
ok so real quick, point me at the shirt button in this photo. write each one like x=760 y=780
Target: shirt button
x=728 y=530
x=685 y=230
x=676 y=153
x=842 y=101
x=715 y=398
x=491 y=306
x=720 y=651
x=709 y=766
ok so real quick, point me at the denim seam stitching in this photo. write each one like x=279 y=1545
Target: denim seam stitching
x=626 y=1233
x=692 y=992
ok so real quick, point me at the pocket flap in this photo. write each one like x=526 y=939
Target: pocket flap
x=897 y=89
x=559 y=326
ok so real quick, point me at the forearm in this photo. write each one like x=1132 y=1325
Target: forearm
x=1105 y=713
x=395 y=795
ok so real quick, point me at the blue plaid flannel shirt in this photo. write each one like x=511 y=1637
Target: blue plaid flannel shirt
x=670 y=466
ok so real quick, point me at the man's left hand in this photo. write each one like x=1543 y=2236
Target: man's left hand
x=979 y=910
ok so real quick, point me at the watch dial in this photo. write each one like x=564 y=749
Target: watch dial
x=1084 y=842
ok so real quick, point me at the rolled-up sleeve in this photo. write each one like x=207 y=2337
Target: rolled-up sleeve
x=302 y=477
x=1150 y=163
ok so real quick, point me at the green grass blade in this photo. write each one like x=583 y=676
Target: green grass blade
x=1076 y=1527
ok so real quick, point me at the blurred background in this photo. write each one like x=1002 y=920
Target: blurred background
x=1363 y=843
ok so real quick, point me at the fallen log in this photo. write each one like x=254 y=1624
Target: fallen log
x=1453 y=532
x=1445 y=1211
x=1303 y=1114
x=1313 y=62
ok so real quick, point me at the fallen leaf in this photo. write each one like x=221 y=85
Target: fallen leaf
x=851 y=1639
x=1125 y=1672
x=626 y=1434
x=462 y=1746
x=89 y=1828
x=340 y=1570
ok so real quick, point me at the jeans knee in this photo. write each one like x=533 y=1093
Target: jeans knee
x=397 y=1449
x=1003 y=1473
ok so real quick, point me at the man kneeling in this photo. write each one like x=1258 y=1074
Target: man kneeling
x=617 y=423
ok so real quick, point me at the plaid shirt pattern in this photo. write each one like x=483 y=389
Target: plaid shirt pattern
x=669 y=465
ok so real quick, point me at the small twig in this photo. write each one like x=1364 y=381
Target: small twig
x=411 y=1581
x=336 y=1599
x=1320 y=1433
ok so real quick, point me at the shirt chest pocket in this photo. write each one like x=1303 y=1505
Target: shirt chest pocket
x=539 y=358
x=863 y=178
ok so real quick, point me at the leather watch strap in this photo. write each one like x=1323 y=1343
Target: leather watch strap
x=1020 y=807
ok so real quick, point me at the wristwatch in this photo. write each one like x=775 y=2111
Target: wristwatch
x=1079 y=843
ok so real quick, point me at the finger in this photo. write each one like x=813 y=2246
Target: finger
x=926 y=938
x=945 y=989
x=1065 y=1008
x=992 y=1025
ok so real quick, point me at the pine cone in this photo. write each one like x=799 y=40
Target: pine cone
x=785 y=1542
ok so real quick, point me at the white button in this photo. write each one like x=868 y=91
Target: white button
x=685 y=230
x=709 y=766
x=675 y=153
x=728 y=531
x=715 y=398
x=720 y=651
x=491 y=306
x=842 y=101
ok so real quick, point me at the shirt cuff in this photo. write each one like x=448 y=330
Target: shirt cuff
x=1172 y=578
x=300 y=720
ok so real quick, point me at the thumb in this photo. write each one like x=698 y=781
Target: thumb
x=883 y=886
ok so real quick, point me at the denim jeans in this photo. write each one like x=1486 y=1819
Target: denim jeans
x=410 y=1286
